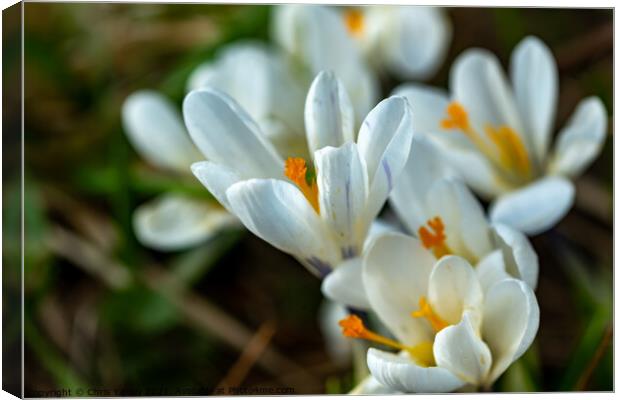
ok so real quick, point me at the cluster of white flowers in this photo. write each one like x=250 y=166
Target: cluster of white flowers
x=295 y=145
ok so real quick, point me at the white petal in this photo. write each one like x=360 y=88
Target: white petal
x=510 y=322
x=467 y=229
x=395 y=274
x=372 y=386
x=475 y=169
x=338 y=347
x=277 y=212
x=401 y=374
x=423 y=168
x=262 y=82
x=175 y=222
x=491 y=269
x=156 y=130
x=534 y=76
x=227 y=135
x=384 y=143
x=316 y=36
x=581 y=140
x=519 y=255
x=417 y=41
x=328 y=115
x=343 y=189
x=479 y=84
x=459 y=349
x=344 y=285
x=216 y=178
x=429 y=104
x=453 y=288
x=536 y=207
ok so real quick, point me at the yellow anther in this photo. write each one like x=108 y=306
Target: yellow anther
x=426 y=311
x=353 y=327
x=296 y=170
x=354 y=21
x=508 y=153
x=513 y=154
x=434 y=238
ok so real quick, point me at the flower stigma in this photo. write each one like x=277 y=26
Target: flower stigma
x=503 y=145
x=434 y=237
x=353 y=327
x=426 y=311
x=354 y=21
x=296 y=170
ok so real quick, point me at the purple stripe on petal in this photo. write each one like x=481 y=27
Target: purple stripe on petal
x=388 y=173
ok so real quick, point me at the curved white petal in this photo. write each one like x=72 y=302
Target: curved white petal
x=467 y=229
x=519 y=255
x=328 y=113
x=384 y=143
x=459 y=349
x=453 y=288
x=155 y=129
x=429 y=104
x=174 y=222
x=277 y=212
x=423 y=168
x=227 y=135
x=345 y=286
x=316 y=36
x=372 y=386
x=479 y=84
x=510 y=323
x=343 y=190
x=534 y=76
x=536 y=207
x=416 y=40
x=395 y=274
x=491 y=269
x=581 y=140
x=262 y=82
x=216 y=178
x=401 y=374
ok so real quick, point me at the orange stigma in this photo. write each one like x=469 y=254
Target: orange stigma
x=457 y=117
x=296 y=170
x=353 y=327
x=354 y=21
x=426 y=311
x=434 y=238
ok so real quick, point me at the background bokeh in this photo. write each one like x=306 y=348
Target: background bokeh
x=104 y=312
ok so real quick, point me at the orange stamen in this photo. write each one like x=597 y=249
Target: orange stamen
x=296 y=170
x=435 y=240
x=354 y=21
x=426 y=311
x=353 y=327
x=457 y=117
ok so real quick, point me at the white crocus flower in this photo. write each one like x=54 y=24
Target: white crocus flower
x=449 y=332
x=498 y=136
x=448 y=220
x=318 y=210
x=408 y=41
x=171 y=221
x=265 y=84
x=316 y=37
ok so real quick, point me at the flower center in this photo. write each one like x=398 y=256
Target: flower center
x=353 y=327
x=502 y=145
x=434 y=237
x=296 y=170
x=426 y=311
x=354 y=21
